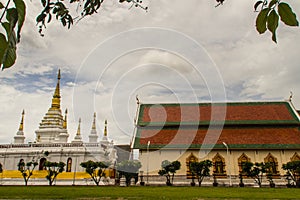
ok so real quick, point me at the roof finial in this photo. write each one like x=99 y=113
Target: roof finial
x=137 y=100
x=291 y=96
x=105 y=128
x=21 y=127
x=94 y=122
x=56 y=96
x=65 y=123
x=78 y=129
x=58 y=75
x=93 y=137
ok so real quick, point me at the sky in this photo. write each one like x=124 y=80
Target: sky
x=176 y=52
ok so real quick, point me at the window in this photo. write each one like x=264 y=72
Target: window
x=295 y=157
x=219 y=165
x=273 y=164
x=189 y=160
x=69 y=165
x=242 y=161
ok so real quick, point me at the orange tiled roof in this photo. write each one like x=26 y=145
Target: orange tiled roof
x=231 y=136
x=247 y=125
x=237 y=113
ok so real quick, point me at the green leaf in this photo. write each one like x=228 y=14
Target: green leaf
x=40 y=18
x=272 y=3
x=12 y=17
x=257 y=4
x=261 y=20
x=49 y=18
x=21 y=8
x=273 y=23
x=9 y=57
x=11 y=36
x=286 y=14
x=3 y=47
x=1 y=5
x=43 y=2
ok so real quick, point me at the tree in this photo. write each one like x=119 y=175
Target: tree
x=129 y=169
x=201 y=169
x=293 y=171
x=26 y=169
x=255 y=171
x=53 y=169
x=1 y=169
x=168 y=170
x=95 y=169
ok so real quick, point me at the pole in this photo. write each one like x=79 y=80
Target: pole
x=148 y=162
x=74 y=176
x=74 y=171
x=229 y=165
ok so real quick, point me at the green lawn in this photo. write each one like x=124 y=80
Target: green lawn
x=111 y=192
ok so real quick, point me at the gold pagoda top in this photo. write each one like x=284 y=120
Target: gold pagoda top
x=21 y=127
x=53 y=117
x=94 y=122
x=56 y=96
x=105 y=128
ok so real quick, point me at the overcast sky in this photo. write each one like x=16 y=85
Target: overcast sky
x=178 y=51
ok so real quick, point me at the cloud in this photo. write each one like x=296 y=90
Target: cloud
x=166 y=59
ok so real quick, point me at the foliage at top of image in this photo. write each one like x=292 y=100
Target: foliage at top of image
x=269 y=15
x=13 y=12
x=12 y=26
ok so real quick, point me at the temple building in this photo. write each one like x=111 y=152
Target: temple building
x=52 y=144
x=228 y=134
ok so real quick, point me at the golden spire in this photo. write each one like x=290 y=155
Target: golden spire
x=65 y=120
x=94 y=122
x=78 y=129
x=21 y=127
x=105 y=128
x=56 y=96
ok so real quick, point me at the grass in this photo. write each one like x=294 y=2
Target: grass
x=148 y=192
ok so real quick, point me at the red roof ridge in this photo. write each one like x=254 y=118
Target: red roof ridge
x=218 y=102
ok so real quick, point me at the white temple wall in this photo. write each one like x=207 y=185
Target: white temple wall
x=10 y=157
x=152 y=161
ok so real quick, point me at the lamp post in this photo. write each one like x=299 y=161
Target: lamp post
x=74 y=175
x=229 y=165
x=75 y=167
x=148 y=162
